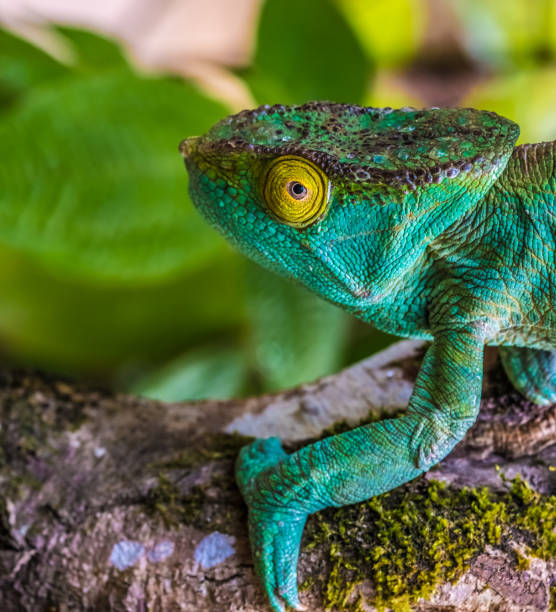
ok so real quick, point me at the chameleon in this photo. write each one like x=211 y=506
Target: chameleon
x=426 y=223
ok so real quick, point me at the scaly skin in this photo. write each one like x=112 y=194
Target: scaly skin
x=436 y=227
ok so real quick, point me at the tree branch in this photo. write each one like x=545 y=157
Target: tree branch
x=110 y=502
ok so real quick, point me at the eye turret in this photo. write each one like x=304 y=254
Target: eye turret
x=295 y=190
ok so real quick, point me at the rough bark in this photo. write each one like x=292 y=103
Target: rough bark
x=111 y=502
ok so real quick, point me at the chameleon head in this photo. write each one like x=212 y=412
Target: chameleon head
x=344 y=198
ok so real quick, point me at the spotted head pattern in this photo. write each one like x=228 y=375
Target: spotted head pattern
x=365 y=145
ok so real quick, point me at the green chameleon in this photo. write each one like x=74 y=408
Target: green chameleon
x=426 y=223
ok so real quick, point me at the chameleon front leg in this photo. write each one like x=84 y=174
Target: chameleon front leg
x=282 y=490
x=531 y=371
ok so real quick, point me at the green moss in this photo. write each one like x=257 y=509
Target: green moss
x=537 y=518
x=411 y=539
x=552 y=598
x=178 y=503
x=173 y=506
x=210 y=447
x=523 y=563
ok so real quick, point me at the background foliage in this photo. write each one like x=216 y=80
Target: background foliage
x=105 y=267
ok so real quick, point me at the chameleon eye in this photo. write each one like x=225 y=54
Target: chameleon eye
x=295 y=190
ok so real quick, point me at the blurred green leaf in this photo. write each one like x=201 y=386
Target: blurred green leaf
x=295 y=335
x=306 y=51
x=91 y=179
x=214 y=373
x=103 y=258
x=527 y=97
x=503 y=34
x=74 y=325
x=23 y=66
x=93 y=51
x=390 y=31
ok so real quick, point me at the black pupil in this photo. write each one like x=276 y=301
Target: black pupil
x=298 y=189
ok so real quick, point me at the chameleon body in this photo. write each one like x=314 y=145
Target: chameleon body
x=425 y=223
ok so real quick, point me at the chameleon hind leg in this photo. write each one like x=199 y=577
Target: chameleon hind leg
x=531 y=371
x=281 y=490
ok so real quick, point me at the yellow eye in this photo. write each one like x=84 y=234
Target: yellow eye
x=295 y=190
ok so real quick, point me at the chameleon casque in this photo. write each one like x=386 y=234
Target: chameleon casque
x=425 y=223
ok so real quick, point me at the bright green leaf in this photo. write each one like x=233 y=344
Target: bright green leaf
x=389 y=30
x=91 y=178
x=306 y=51
x=23 y=66
x=93 y=52
x=103 y=258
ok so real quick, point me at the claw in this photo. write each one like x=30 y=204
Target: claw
x=276 y=603
x=264 y=567
x=293 y=601
x=275 y=541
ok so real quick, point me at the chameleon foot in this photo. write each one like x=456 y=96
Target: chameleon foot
x=532 y=372
x=274 y=528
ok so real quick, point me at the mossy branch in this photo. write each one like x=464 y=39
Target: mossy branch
x=109 y=502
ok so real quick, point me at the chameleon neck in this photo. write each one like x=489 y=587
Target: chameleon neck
x=513 y=229
x=522 y=201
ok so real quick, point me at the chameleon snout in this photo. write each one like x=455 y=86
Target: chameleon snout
x=188 y=145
